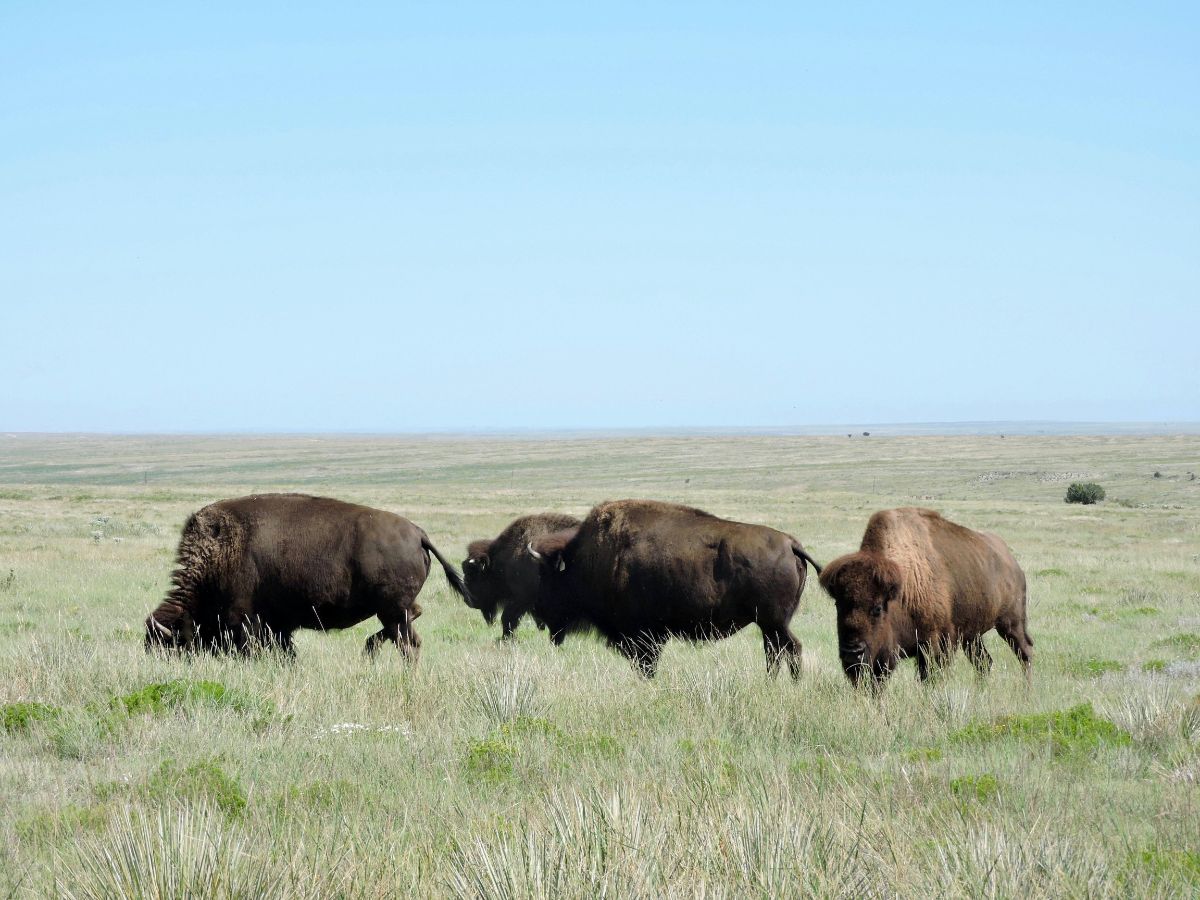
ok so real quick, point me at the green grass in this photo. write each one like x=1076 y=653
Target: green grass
x=492 y=770
x=22 y=715
x=1075 y=729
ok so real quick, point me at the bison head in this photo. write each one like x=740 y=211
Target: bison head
x=553 y=607
x=866 y=589
x=168 y=628
x=483 y=582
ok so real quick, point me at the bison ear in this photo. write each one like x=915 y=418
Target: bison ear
x=551 y=550
x=831 y=581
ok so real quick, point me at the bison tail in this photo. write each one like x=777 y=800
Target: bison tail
x=456 y=581
x=802 y=555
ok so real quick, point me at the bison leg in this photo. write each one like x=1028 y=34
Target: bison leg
x=932 y=657
x=1022 y=645
x=644 y=650
x=979 y=656
x=408 y=640
x=780 y=643
x=400 y=632
x=373 y=642
x=511 y=619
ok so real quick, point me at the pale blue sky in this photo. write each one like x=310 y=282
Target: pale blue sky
x=452 y=216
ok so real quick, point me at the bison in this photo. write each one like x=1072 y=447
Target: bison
x=921 y=585
x=251 y=571
x=641 y=572
x=501 y=573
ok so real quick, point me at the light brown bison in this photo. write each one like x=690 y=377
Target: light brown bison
x=502 y=573
x=641 y=572
x=920 y=586
x=251 y=571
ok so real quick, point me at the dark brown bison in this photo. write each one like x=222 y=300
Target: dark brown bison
x=501 y=572
x=921 y=585
x=250 y=571
x=641 y=572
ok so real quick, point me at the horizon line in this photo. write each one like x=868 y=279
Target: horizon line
x=1017 y=427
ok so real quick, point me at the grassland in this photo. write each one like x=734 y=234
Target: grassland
x=520 y=770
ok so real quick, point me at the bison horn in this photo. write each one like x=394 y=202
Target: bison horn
x=562 y=564
x=533 y=552
x=160 y=627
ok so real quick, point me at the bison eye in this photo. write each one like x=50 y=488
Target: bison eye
x=876 y=610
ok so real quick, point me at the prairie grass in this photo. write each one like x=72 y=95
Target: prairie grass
x=522 y=770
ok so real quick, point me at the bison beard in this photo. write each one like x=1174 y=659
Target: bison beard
x=501 y=573
x=921 y=586
x=641 y=572
x=251 y=571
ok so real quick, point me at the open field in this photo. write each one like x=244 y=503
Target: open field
x=520 y=770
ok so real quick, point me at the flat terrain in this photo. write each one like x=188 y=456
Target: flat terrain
x=520 y=770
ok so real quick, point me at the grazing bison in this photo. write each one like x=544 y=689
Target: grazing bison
x=640 y=572
x=501 y=573
x=251 y=571
x=921 y=585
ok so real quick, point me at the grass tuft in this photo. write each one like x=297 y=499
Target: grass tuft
x=976 y=787
x=18 y=717
x=491 y=758
x=1185 y=643
x=1069 y=730
x=1093 y=667
x=162 y=696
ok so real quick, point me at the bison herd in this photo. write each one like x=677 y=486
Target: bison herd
x=252 y=571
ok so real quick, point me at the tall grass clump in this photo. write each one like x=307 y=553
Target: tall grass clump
x=186 y=851
x=583 y=845
x=990 y=861
x=505 y=695
x=189 y=851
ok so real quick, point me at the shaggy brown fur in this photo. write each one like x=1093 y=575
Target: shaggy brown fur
x=920 y=586
x=501 y=573
x=641 y=572
x=250 y=571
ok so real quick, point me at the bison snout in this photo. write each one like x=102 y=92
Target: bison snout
x=852 y=653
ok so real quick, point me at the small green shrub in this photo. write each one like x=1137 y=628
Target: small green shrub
x=18 y=717
x=924 y=754
x=1052 y=572
x=204 y=780
x=491 y=758
x=161 y=696
x=975 y=787
x=1086 y=492
x=1094 y=667
x=1074 y=729
x=1154 y=665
